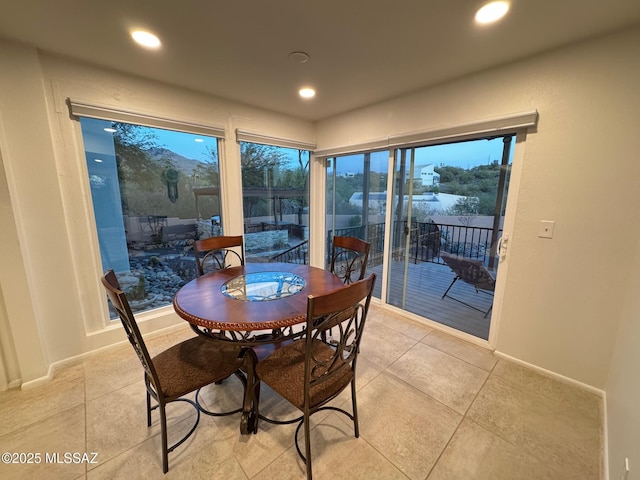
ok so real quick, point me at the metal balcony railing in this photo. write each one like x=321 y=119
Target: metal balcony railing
x=427 y=240
x=296 y=254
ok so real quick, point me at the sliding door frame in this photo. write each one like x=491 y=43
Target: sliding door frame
x=517 y=124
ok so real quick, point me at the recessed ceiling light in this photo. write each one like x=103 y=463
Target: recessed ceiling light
x=491 y=12
x=110 y=130
x=146 y=39
x=199 y=140
x=307 y=92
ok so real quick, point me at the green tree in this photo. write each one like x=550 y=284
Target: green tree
x=138 y=172
x=466 y=206
x=206 y=174
x=260 y=168
x=259 y=164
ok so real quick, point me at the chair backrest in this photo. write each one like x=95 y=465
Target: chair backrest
x=349 y=257
x=121 y=305
x=470 y=271
x=215 y=253
x=337 y=319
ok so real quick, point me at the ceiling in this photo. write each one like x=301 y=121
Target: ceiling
x=360 y=52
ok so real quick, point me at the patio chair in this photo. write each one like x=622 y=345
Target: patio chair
x=349 y=257
x=181 y=369
x=213 y=253
x=427 y=242
x=472 y=272
x=312 y=371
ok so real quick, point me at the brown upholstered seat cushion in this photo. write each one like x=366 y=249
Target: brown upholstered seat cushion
x=283 y=371
x=194 y=363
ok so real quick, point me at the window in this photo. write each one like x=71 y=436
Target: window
x=275 y=196
x=154 y=191
x=357 y=201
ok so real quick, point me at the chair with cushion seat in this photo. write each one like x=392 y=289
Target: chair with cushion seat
x=177 y=371
x=215 y=253
x=312 y=371
x=218 y=253
x=472 y=272
x=349 y=257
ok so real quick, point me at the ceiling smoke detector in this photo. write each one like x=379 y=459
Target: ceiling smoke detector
x=299 y=57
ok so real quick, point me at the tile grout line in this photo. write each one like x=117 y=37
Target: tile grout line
x=464 y=416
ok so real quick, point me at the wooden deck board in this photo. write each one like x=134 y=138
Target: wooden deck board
x=427 y=282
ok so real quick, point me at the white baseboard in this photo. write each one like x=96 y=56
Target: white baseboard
x=14 y=384
x=549 y=373
x=605 y=439
x=79 y=358
x=597 y=391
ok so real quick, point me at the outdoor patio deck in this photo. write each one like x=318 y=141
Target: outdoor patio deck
x=427 y=283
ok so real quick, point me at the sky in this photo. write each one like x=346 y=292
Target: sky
x=185 y=144
x=463 y=154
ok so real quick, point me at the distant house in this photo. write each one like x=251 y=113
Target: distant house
x=425 y=173
x=429 y=177
x=432 y=202
x=377 y=201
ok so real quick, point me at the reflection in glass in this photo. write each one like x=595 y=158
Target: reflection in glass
x=154 y=192
x=275 y=202
x=263 y=286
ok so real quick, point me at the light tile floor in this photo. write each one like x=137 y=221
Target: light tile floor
x=431 y=407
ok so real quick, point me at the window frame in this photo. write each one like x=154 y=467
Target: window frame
x=79 y=109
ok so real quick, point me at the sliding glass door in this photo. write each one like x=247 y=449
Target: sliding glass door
x=448 y=208
x=357 y=202
x=443 y=209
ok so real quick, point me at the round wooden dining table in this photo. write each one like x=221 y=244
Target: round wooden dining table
x=208 y=301
x=257 y=306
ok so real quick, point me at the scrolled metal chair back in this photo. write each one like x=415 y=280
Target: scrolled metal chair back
x=337 y=320
x=217 y=253
x=122 y=307
x=349 y=258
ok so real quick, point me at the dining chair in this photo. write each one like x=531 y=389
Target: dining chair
x=312 y=371
x=349 y=257
x=181 y=369
x=215 y=253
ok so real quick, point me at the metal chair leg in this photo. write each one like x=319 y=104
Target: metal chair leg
x=148 y=409
x=165 y=448
x=307 y=446
x=454 y=281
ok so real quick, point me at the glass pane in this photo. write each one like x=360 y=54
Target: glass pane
x=357 y=202
x=275 y=197
x=154 y=192
x=448 y=200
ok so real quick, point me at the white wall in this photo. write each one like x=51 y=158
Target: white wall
x=54 y=302
x=571 y=303
x=25 y=243
x=623 y=384
x=563 y=297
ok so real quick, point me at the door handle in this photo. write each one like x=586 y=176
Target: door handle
x=503 y=244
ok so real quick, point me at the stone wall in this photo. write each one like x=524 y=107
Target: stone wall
x=266 y=241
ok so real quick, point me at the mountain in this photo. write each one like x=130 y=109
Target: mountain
x=186 y=165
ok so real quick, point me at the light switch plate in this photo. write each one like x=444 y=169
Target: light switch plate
x=546 y=229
